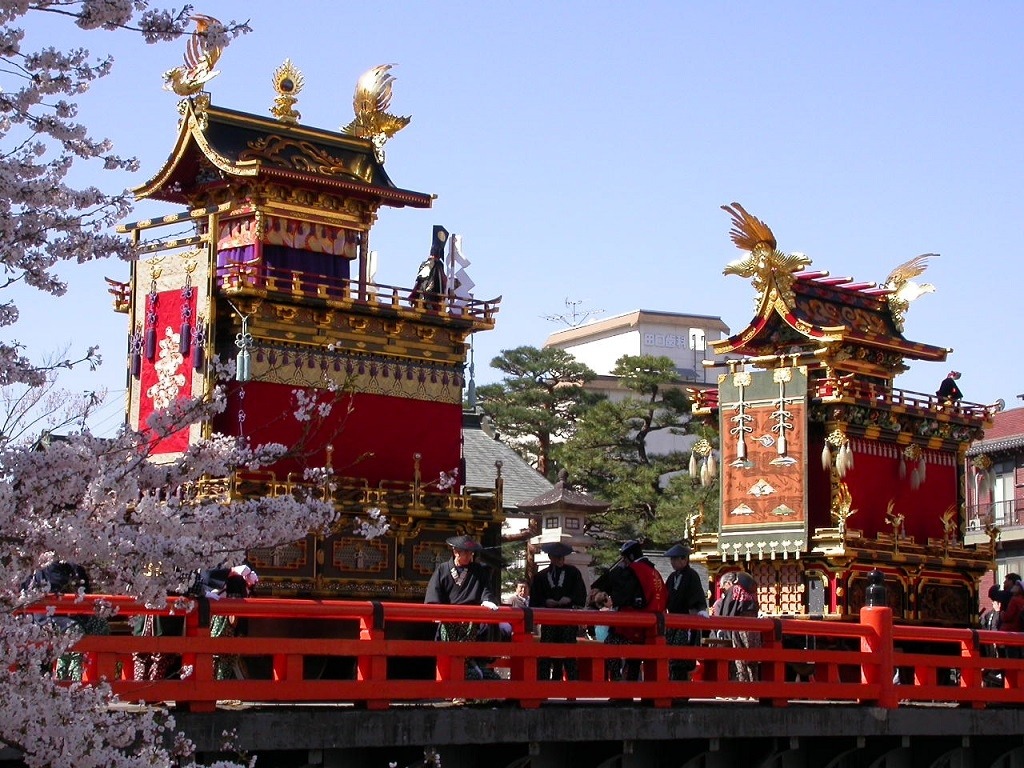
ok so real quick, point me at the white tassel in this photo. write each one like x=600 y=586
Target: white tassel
x=843 y=460
x=826 y=457
x=712 y=466
x=741 y=448
x=903 y=468
x=693 y=465
x=849 y=456
x=782 y=445
x=704 y=479
x=921 y=468
x=915 y=480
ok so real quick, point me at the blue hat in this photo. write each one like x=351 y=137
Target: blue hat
x=631 y=548
x=679 y=550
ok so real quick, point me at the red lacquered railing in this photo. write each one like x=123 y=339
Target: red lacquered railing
x=871 y=661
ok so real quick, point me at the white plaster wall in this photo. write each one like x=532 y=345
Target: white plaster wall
x=601 y=354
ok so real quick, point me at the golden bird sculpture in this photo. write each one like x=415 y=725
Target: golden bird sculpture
x=768 y=267
x=200 y=60
x=370 y=103
x=903 y=289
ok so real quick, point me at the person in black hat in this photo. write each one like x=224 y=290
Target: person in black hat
x=431 y=281
x=644 y=590
x=558 y=586
x=461 y=581
x=686 y=594
x=949 y=390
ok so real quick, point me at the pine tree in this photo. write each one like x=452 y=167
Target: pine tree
x=651 y=494
x=539 y=401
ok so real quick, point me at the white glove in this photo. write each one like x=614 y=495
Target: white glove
x=703 y=613
x=489 y=604
x=211 y=595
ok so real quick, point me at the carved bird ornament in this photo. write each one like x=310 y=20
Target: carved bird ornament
x=200 y=60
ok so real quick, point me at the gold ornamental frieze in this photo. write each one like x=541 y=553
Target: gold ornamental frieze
x=363 y=374
x=268 y=198
x=307 y=157
x=367 y=333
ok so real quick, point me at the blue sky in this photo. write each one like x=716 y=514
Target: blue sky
x=583 y=149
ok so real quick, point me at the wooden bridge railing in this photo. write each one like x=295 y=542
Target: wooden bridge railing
x=871 y=662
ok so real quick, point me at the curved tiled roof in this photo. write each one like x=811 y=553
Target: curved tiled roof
x=521 y=481
x=1005 y=434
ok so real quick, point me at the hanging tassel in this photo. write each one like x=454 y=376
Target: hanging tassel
x=198 y=345
x=243 y=341
x=915 y=480
x=136 y=364
x=150 y=342
x=693 y=465
x=704 y=479
x=849 y=456
x=741 y=448
x=781 y=445
x=185 y=339
x=242 y=365
x=903 y=467
x=712 y=466
x=826 y=457
x=921 y=468
x=843 y=460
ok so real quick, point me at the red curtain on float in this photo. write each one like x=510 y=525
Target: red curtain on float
x=374 y=437
x=166 y=374
x=875 y=481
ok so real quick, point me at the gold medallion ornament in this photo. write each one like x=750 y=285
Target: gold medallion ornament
x=200 y=60
x=288 y=81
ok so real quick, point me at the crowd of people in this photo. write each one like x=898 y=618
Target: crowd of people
x=62 y=578
x=632 y=584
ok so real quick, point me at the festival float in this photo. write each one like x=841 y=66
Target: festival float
x=261 y=281
x=827 y=471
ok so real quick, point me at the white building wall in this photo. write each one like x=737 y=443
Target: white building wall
x=601 y=354
x=684 y=339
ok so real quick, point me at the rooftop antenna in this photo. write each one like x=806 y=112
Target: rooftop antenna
x=573 y=317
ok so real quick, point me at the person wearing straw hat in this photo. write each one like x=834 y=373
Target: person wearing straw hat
x=643 y=591
x=461 y=581
x=558 y=586
x=686 y=594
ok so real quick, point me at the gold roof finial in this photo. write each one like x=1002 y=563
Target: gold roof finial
x=771 y=271
x=200 y=59
x=371 y=102
x=288 y=81
x=903 y=289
